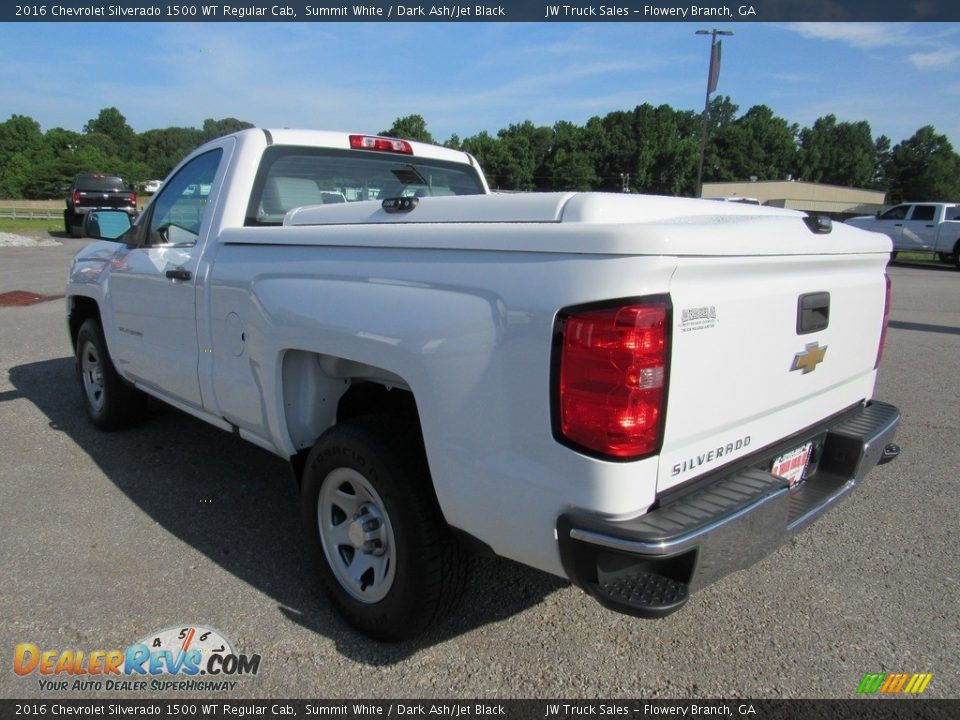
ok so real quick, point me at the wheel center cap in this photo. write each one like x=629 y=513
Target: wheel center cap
x=356 y=534
x=366 y=532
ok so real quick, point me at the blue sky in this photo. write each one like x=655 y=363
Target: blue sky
x=464 y=78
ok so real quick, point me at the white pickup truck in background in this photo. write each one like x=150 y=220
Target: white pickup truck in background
x=640 y=394
x=918 y=227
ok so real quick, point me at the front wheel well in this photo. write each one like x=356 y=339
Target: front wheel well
x=81 y=309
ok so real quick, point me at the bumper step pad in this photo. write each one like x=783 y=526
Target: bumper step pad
x=641 y=594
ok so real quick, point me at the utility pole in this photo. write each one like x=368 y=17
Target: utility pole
x=713 y=75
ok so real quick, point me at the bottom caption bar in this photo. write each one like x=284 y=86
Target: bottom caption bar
x=875 y=709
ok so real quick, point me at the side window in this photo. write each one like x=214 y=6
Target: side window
x=896 y=213
x=953 y=213
x=923 y=212
x=179 y=208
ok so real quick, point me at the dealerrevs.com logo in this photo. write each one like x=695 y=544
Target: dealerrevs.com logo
x=184 y=658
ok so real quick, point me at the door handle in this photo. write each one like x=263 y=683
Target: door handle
x=898 y=224
x=179 y=274
x=928 y=225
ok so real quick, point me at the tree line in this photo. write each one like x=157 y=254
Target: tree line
x=648 y=149
x=40 y=165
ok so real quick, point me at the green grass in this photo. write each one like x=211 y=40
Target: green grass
x=21 y=224
x=917 y=256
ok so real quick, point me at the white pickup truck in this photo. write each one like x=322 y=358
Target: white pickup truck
x=640 y=394
x=918 y=227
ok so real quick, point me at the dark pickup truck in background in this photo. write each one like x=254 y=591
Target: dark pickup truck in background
x=96 y=191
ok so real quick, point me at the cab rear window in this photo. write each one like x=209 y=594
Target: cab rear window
x=291 y=177
x=101 y=183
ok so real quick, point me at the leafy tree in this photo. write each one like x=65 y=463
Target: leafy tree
x=614 y=144
x=667 y=149
x=54 y=164
x=19 y=134
x=111 y=123
x=409 y=127
x=837 y=153
x=757 y=144
x=525 y=147
x=212 y=129
x=881 y=159
x=569 y=164
x=162 y=149
x=924 y=167
x=489 y=153
x=20 y=139
x=15 y=176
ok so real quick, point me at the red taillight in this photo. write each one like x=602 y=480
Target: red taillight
x=886 y=321
x=76 y=197
x=133 y=198
x=370 y=142
x=612 y=378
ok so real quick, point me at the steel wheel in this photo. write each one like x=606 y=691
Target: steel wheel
x=374 y=530
x=111 y=404
x=91 y=373
x=356 y=535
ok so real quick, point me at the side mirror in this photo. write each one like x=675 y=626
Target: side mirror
x=106 y=224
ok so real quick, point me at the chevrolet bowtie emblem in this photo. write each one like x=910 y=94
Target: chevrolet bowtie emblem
x=808 y=360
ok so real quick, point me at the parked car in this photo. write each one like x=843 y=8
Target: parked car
x=152 y=186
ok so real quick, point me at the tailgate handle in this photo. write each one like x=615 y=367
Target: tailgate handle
x=813 y=312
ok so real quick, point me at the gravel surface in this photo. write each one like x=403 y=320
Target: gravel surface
x=107 y=537
x=25 y=240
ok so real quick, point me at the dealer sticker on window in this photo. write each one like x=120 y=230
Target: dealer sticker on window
x=791 y=466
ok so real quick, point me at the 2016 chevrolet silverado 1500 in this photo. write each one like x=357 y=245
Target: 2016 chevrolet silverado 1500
x=640 y=394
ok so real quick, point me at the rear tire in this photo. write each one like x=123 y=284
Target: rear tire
x=374 y=529
x=956 y=255
x=73 y=224
x=111 y=403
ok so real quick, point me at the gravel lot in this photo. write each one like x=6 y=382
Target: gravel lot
x=105 y=538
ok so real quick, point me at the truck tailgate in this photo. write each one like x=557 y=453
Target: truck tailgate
x=746 y=371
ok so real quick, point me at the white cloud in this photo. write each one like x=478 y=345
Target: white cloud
x=859 y=35
x=933 y=52
x=935 y=59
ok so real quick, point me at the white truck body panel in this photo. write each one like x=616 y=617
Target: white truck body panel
x=457 y=300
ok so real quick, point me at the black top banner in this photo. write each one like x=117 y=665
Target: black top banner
x=506 y=11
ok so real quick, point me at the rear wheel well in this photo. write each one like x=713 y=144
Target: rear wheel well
x=370 y=398
x=365 y=399
x=321 y=391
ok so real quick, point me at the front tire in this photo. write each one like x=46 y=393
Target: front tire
x=375 y=532
x=111 y=404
